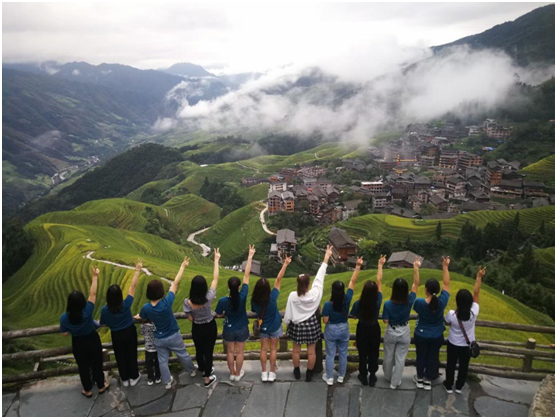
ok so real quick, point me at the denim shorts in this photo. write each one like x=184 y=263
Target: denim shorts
x=240 y=335
x=274 y=335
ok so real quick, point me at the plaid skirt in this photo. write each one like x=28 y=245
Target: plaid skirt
x=306 y=332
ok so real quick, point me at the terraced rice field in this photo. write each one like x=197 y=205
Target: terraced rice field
x=381 y=226
x=234 y=232
x=542 y=171
x=159 y=185
x=254 y=193
x=546 y=257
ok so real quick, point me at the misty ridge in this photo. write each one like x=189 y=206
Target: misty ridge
x=354 y=97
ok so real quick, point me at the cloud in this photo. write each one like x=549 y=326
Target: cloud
x=308 y=101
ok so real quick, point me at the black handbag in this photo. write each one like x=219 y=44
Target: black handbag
x=473 y=346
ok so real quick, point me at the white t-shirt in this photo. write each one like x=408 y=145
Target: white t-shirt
x=456 y=337
x=299 y=309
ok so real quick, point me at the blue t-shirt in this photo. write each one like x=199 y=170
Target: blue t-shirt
x=162 y=316
x=356 y=307
x=121 y=320
x=336 y=317
x=271 y=320
x=430 y=324
x=398 y=313
x=234 y=320
x=85 y=327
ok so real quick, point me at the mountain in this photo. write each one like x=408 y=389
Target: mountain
x=528 y=39
x=187 y=70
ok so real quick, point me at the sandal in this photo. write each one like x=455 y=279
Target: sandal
x=87 y=395
x=102 y=390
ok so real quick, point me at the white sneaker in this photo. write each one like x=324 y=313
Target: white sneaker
x=264 y=376
x=272 y=377
x=168 y=385
x=134 y=382
x=340 y=379
x=125 y=383
x=329 y=381
x=158 y=381
x=392 y=387
x=239 y=377
x=232 y=377
x=194 y=372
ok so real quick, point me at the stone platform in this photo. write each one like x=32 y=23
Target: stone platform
x=286 y=397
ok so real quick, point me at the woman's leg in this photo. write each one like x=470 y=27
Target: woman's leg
x=97 y=361
x=119 y=345
x=79 y=348
x=273 y=359
x=296 y=349
x=389 y=349
x=401 y=350
x=330 y=352
x=311 y=356
x=211 y=338
x=432 y=366
x=175 y=343
x=157 y=367
x=463 y=363
x=199 y=342
x=343 y=354
x=230 y=357
x=150 y=364
x=163 y=353
x=239 y=356
x=263 y=354
x=421 y=357
x=452 y=357
x=131 y=353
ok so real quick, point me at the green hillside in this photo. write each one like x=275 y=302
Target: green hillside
x=542 y=171
x=381 y=226
x=254 y=193
x=234 y=232
x=546 y=257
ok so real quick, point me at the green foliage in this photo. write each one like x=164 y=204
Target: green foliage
x=224 y=196
x=17 y=247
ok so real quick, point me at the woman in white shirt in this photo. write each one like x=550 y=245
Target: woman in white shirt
x=300 y=317
x=460 y=321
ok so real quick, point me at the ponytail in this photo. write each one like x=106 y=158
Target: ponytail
x=234 y=288
x=432 y=287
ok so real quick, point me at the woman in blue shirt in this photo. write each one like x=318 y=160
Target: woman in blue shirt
x=264 y=304
x=235 y=329
x=396 y=312
x=117 y=315
x=428 y=335
x=337 y=332
x=368 y=331
x=86 y=343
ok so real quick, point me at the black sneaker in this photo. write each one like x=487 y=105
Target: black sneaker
x=212 y=379
x=372 y=380
x=448 y=389
x=419 y=382
x=458 y=390
x=309 y=375
x=363 y=379
x=297 y=374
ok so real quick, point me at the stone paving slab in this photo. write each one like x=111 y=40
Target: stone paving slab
x=13 y=411
x=346 y=401
x=407 y=379
x=161 y=405
x=62 y=396
x=114 y=400
x=183 y=413
x=252 y=371
x=267 y=399
x=189 y=397
x=491 y=407
x=226 y=401
x=7 y=399
x=519 y=391
x=378 y=402
x=307 y=399
x=142 y=393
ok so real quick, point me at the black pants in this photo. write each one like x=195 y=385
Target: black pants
x=87 y=351
x=124 y=343
x=454 y=354
x=204 y=338
x=427 y=356
x=368 y=340
x=152 y=365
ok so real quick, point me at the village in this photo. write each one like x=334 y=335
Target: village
x=419 y=176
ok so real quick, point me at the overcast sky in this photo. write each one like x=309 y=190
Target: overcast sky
x=237 y=37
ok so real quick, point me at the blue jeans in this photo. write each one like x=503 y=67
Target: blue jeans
x=173 y=343
x=337 y=336
x=427 y=356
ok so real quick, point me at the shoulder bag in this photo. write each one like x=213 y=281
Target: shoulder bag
x=473 y=346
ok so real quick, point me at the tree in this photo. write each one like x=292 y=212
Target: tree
x=439 y=231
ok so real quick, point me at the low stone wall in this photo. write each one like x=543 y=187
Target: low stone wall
x=543 y=404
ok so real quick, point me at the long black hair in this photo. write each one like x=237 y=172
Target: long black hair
x=432 y=287
x=114 y=298
x=198 y=290
x=464 y=302
x=75 y=306
x=337 y=296
x=400 y=291
x=261 y=292
x=367 y=309
x=234 y=284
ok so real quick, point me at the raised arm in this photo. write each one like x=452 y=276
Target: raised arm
x=478 y=285
x=380 y=264
x=133 y=286
x=285 y=264
x=251 y=252
x=416 y=283
x=446 y=275
x=355 y=274
x=94 y=285
x=216 y=270
x=174 y=286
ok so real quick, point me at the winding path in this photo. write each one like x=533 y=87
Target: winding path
x=145 y=270
x=264 y=223
x=206 y=250
x=248 y=167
